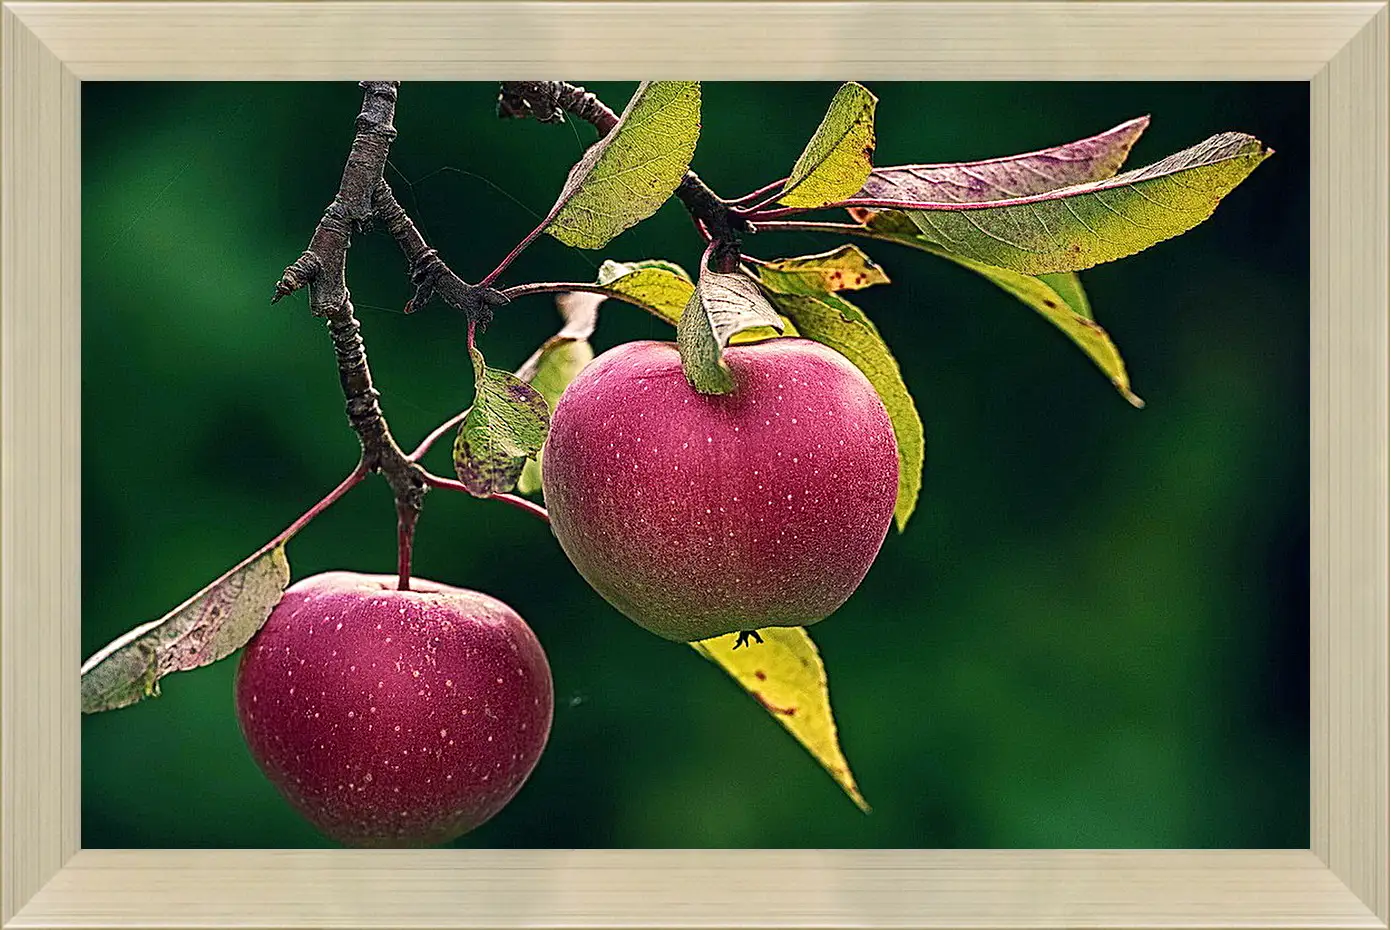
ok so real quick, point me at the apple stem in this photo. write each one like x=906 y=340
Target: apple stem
x=406 y=517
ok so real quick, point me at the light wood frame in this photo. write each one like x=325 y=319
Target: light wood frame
x=46 y=880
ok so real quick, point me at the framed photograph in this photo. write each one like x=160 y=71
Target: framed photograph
x=996 y=647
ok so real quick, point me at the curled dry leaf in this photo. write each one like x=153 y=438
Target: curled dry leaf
x=211 y=625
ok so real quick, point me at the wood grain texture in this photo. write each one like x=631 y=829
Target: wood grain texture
x=46 y=49
x=39 y=537
x=606 y=40
x=697 y=888
x=1348 y=464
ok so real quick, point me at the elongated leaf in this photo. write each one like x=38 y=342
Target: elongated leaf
x=1091 y=159
x=843 y=269
x=211 y=625
x=834 y=321
x=837 y=159
x=505 y=426
x=786 y=676
x=722 y=305
x=1059 y=298
x=625 y=176
x=1073 y=228
x=552 y=367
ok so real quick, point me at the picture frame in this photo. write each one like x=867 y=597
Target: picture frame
x=48 y=48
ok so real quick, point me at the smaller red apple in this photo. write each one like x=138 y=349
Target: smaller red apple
x=394 y=718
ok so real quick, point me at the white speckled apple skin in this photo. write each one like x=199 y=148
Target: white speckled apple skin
x=394 y=718
x=698 y=515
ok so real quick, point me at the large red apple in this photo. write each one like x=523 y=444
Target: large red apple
x=698 y=515
x=394 y=718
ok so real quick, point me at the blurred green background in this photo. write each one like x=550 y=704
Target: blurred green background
x=1093 y=633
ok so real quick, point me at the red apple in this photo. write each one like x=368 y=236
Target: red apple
x=394 y=718
x=698 y=515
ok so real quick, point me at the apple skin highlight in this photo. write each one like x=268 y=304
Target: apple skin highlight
x=394 y=718
x=697 y=515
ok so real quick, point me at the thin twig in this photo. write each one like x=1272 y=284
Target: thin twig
x=322 y=266
x=429 y=273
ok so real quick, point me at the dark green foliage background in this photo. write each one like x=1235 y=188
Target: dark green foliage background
x=1093 y=633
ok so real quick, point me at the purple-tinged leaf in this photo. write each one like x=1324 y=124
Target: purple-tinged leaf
x=1093 y=159
x=1076 y=227
x=209 y=626
x=505 y=426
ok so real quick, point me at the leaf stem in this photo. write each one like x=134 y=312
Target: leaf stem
x=555 y=287
x=346 y=485
x=436 y=434
x=517 y=250
x=521 y=503
x=844 y=229
x=809 y=226
x=743 y=202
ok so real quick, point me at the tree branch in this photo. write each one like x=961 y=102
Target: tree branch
x=548 y=101
x=430 y=275
x=322 y=268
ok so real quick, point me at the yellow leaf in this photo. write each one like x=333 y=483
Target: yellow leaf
x=784 y=673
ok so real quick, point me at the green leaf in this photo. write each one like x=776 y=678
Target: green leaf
x=505 y=426
x=625 y=176
x=842 y=269
x=764 y=333
x=1068 y=286
x=837 y=159
x=785 y=675
x=1091 y=159
x=1076 y=227
x=722 y=305
x=657 y=286
x=552 y=367
x=839 y=324
x=1059 y=298
x=211 y=625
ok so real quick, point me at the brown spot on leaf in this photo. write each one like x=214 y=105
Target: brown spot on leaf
x=760 y=676
x=773 y=708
